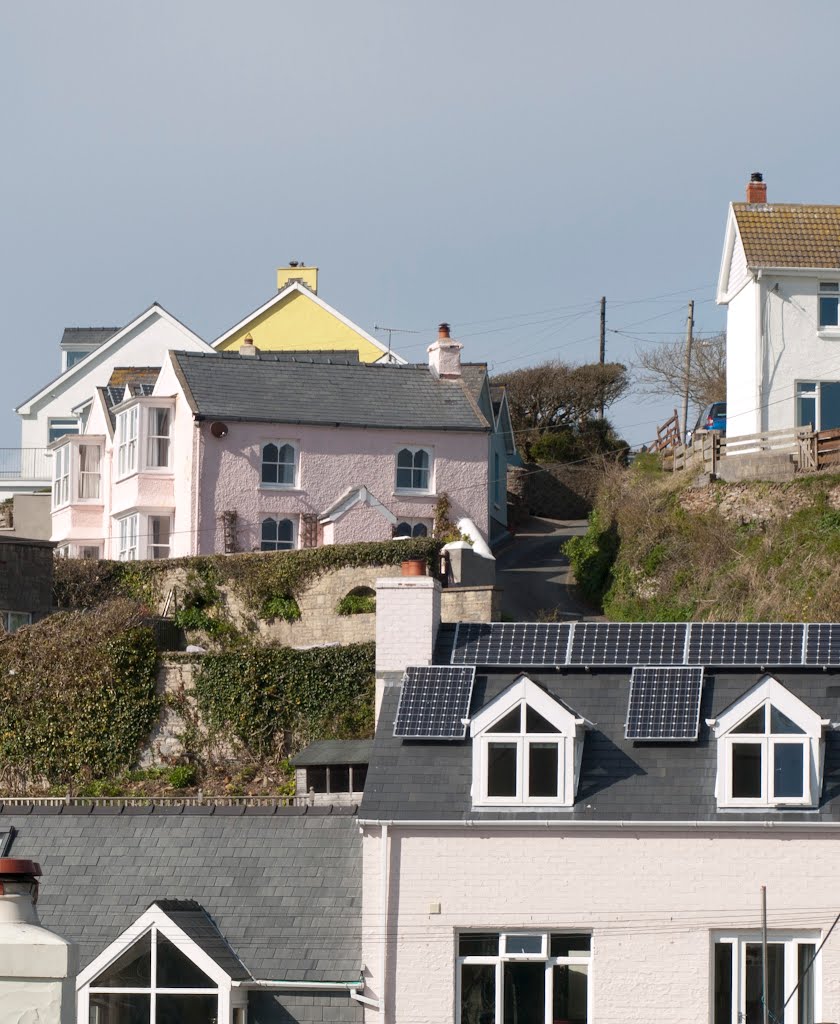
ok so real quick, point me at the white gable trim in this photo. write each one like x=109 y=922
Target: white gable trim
x=768 y=689
x=355 y=496
x=525 y=689
x=731 y=239
x=80 y=368
x=296 y=286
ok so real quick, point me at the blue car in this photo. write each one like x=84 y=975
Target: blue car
x=713 y=417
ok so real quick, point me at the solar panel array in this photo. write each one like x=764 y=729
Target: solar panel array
x=434 y=700
x=724 y=644
x=664 y=703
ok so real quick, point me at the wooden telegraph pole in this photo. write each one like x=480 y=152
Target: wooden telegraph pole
x=602 y=348
x=689 y=336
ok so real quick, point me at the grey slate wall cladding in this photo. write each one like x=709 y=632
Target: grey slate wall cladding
x=300 y=1008
x=284 y=889
x=620 y=779
x=26 y=576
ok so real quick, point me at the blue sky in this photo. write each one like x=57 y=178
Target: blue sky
x=496 y=165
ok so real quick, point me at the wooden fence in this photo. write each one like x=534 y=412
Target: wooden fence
x=810 y=450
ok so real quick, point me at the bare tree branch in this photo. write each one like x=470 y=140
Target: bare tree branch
x=661 y=370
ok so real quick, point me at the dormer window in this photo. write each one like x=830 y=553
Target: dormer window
x=769 y=750
x=526 y=749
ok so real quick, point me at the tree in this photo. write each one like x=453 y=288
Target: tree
x=661 y=370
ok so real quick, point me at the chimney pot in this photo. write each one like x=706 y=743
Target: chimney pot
x=248 y=348
x=757 y=188
x=443 y=330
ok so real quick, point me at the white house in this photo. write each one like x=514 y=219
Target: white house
x=780 y=281
x=89 y=356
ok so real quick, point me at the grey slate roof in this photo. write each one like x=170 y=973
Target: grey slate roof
x=267 y=389
x=195 y=922
x=284 y=888
x=619 y=780
x=334 y=752
x=87 y=335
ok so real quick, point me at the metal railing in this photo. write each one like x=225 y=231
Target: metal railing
x=25 y=464
x=162 y=801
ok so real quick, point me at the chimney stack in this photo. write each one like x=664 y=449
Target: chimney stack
x=445 y=355
x=248 y=348
x=298 y=271
x=757 y=188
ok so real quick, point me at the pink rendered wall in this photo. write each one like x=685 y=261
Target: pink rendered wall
x=332 y=460
x=362 y=522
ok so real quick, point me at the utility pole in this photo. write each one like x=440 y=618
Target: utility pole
x=689 y=336
x=602 y=348
x=765 y=1008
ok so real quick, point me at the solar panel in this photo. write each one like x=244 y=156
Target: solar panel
x=628 y=643
x=511 y=643
x=664 y=703
x=433 y=702
x=746 y=643
x=823 y=644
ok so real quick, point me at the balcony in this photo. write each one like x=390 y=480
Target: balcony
x=26 y=464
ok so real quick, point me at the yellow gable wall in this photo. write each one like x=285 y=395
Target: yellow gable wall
x=299 y=323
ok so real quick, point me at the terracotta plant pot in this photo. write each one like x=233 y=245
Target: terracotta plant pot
x=413 y=567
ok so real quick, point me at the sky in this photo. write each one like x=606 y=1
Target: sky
x=499 y=166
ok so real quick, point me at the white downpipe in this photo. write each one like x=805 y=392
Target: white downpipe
x=379 y=1004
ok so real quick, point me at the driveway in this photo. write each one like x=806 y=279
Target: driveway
x=537 y=579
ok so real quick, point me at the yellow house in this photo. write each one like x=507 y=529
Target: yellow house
x=298 y=319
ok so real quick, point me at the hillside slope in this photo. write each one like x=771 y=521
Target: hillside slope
x=659 y=548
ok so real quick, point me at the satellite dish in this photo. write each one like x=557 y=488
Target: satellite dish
x=219 y=429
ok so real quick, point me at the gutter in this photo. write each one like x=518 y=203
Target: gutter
x=205 y=416
x=581 y=824
x=310 y=986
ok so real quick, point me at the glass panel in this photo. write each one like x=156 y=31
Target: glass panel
x=316 y=779
x=269 y=464
x=133 y=969
x=723 y=983
x=501 y=769
x=755 y=724
x=534 y=722
x=176 y=970
x=420 y=530
x=512 y=722
x=187 y=1009
x=478 y=993
x=74 y=357
x=805 y=995
x=403 y=529
x=340 y=778
x=828 y=311
x=829 y=286
x=829 y=404
x=405 y=464
x=119 y=1008
x=285 y=532
x=16 y=620
x=806 y=411
x=775 y=982
x=478 y=944
x=524 y=993
x=746 y=770
x=570 y=945
x=532 y=944
x=543 y=759
x=569 y=1002
x=359 y=777
x=269 y=530
x=780 y=723
x=788 y=769
x=58 y=428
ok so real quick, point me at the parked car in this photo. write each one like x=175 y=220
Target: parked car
x=713 y=417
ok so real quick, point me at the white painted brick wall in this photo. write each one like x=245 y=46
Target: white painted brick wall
x=650 y=901
x=407 y=620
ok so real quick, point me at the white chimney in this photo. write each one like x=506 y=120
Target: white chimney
x=445 y=355
x=37 y=968
x=248 y=348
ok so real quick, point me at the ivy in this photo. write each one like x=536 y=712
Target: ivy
x=262 y=695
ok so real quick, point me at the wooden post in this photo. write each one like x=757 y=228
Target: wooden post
x=602 y=347
x=689 y=335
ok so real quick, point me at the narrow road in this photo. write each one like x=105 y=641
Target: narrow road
x=536 y=576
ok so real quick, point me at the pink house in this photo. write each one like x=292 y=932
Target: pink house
x=252 y=451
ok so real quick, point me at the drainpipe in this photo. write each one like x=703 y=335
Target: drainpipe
x=379 y=1004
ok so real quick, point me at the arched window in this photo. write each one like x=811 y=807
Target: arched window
x=412 y=528
x=277 y=534
x=279 y=463
x=414 y=469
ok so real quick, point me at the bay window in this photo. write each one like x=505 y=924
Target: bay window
x=792 y=979
x=128 y=529
x=157 y=437
x=127 y=428
x=159 y=530
x=90 y=457
x=61 y=476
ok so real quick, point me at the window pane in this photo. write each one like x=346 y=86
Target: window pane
x=187 y=1009
x=524 y=993
x=340 y=778
x=176 y=970
x=316 y=779
x=403 y=529
x=746 y=770
x=131 y=970
x=775 y=982
x=512 y=722
x=788 y=769
x=501 y=769
x=419 y=530
x=828 y=311
x=478 y=944
x=829 y=405
x=285 y=532
x=754 y=724
x=534 y=722
x=806 y=411
x=805 y=995
x=478 y=994
x=780 y=723
x=404 y=478
x=569 y=995
x=542 y=769
x=119 y=1008
x=570 y=945
x=723 y=983
x=532 y=944
x=359 y=777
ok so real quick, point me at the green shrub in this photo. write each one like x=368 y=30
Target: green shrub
x=182 y=776
x=280 y=608
x=360 y=601
x=592 y=557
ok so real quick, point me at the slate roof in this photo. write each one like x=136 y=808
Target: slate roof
x=334 y=752
x=87 y=335
x=284 y=888
x=619 y=780
x=267 y=389
x=789 y=234
x=195 y=922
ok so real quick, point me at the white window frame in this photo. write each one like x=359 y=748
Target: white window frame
x=501 y=958
x=128 y=537
x=6 y=620
x=769 y=692
x=279 y=518
x=69 y=421
x=61 y=476
x=295 y=446
x=95 y=549
x=430 y=482
x=810 y=389
x=150 y=546
x=828 y=290
x=791 y=941
x=150 y=440
x=525 y=693
x=87 y=476
x=128 y=441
